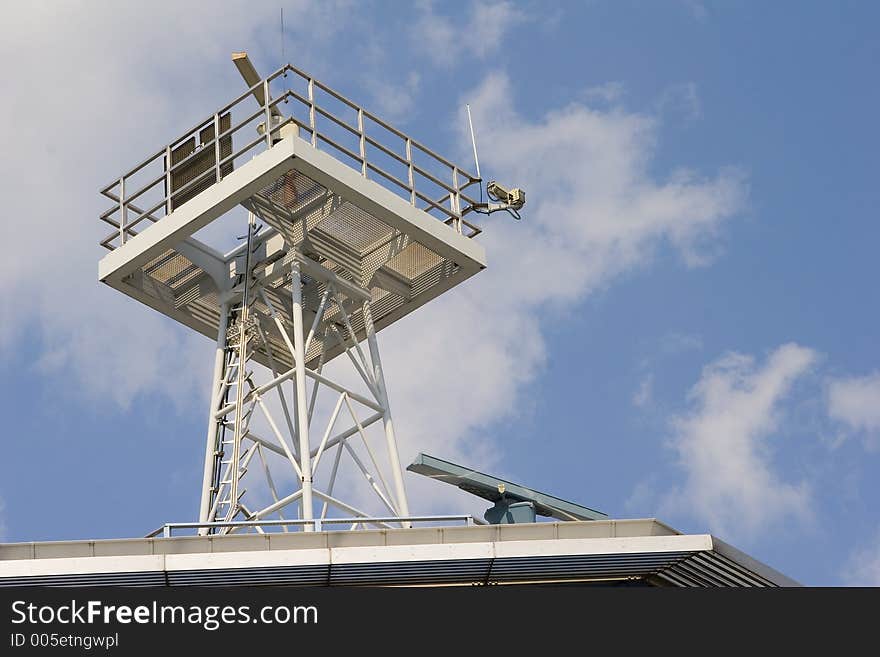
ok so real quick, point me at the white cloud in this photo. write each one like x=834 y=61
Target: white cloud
x=608 y=92
x=395 y=102
x=95 y=87
x=863 y=566
x=676 y=343
x=681 y=99
x=490 y=23
x=645 y=392
x=479 y=33
x=393 y=99
x=724 y=444
x=855 y=401
x=697 y=9
x=456 y=366
x=593 y=212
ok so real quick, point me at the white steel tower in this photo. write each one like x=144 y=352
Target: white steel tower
x=351 y=225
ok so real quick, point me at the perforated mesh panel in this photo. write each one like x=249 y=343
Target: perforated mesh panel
x=399 y=272
x=199 y=165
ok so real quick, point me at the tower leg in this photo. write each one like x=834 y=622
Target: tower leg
x=390 y=440
x=302 y=413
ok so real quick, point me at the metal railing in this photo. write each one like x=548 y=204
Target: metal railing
x=159 y=184
x=317 y=524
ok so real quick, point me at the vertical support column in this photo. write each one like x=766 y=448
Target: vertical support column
x=302 y=413
x=410 y=177
x=217 y=146
x=456 y=200
x=362 y=142
x=268 y=113
x=390 y=440
x=312 y=123
x=213 y=423
x=168 y=208
x=122 y=218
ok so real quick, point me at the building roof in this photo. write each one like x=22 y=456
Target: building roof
x=642 y=551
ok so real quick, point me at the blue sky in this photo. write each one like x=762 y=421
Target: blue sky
x=682 y=326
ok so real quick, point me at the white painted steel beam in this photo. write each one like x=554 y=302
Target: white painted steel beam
x=198 y=212
x=447 y=546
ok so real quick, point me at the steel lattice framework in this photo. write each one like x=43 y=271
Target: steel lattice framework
x=237 y=396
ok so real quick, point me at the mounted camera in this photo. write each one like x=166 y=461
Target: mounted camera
x=514 y=198
x=508 y=200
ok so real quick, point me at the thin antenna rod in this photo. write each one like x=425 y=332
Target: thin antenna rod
x=283 y=61
x=473 y=141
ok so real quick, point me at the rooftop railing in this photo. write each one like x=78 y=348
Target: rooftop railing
x=318 y=524
x=214 y=147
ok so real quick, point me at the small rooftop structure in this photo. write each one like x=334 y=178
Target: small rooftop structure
x=513 y=502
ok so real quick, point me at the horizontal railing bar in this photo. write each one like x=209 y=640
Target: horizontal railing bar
x=229 y=106
x=275 y=101
x=243 y=149
x=386 y=150
x=201 y=126
x=416 y=167
x=382 y=146
x=425 y=174
x=337 y=121
x=382 y=123
x=429 y=152
x=197 y=127
x=296 y=96
x=433 y=203
x=107 y=213
x=113 y=236
x=249 y=92
x=338 y=96
x=115 y=224
x=144 y=189
x=136 y=169
x=168 y=527
x=351 y=154
x=388 y=176
x=324 y=521
x=472 y=226
x=204 y=147
x=143 y=216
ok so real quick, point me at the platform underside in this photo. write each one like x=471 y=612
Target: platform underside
x=377 y=247
x=611 y=552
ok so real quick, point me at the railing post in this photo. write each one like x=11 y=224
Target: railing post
x=412 y=183
x=268 y=113
x=166 y=531
x=363 y=142
x=312 y=113
x=456 y=199
x=217 y=145
x=122 y=213
x=168 y=208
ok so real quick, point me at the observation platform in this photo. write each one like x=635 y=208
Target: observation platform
x=644 y=552
x=366 y=208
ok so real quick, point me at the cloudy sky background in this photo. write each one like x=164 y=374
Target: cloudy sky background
x=683 y=325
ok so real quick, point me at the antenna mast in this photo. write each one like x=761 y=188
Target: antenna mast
x=473 y=142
